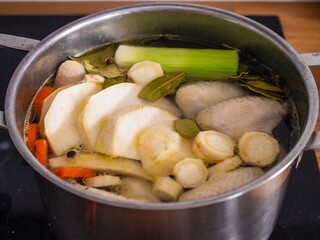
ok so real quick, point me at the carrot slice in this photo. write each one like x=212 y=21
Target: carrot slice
x=42 y=150
x=70 y=172
x=32 y=136
x=42 y=95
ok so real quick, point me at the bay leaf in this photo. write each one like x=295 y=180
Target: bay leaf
x=108 y=71
x=162 y=86
x=97 y=56
x=265 y=93
x=262 y=85
x=108 y=82
x=186 y=128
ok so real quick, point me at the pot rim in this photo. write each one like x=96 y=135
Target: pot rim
x=193 y=8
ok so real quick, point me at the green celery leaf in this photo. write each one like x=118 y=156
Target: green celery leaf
x=162 y=86
x=186 y=128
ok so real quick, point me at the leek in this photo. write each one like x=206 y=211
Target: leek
x=199 y=63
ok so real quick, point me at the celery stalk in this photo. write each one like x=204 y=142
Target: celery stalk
x=199 y=63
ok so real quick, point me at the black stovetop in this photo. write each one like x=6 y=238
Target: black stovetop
x=22 y=215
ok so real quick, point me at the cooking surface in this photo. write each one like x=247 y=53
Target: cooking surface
x=22 y=215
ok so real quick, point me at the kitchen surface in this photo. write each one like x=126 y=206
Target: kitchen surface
x=297 y=22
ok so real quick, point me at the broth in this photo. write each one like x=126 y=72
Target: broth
x=287 y=131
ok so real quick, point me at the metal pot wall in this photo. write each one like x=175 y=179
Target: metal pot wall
x=249 y=212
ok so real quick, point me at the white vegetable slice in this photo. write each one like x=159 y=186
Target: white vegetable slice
x=192 y=98
x=46 y=105
x=144 y=72
x=102 y=181
x=167 y=189
x=120 y=135
x=224 y=166
x=258 y=149
x=190 y=172
x=60 y=122
x=222 y=184
x=101 y=163
x=213 y=146
x=93 y=78
x=137 y=189
x=69 y=72
x=160 y=148
x=103 y=193
x=110 y=100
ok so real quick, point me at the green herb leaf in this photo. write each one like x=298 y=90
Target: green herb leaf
x=262 y=85
x=97 y=56
x=186 y=128
x=265 y=93
x=108 y=82
x=104 y=70
x=162 y=86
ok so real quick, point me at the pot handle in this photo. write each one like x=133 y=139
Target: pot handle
x=311 y=59
x=20 y=43
x=2 y=121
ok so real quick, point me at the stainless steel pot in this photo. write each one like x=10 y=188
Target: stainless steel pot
x=249 y=212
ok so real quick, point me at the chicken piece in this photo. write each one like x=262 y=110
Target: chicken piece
x=223 y=183
x=236 y=116
x=192 y=98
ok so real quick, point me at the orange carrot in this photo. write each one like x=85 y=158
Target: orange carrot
x=70 y=172
x=42 y=151
x=32 y=136
x=42 y=95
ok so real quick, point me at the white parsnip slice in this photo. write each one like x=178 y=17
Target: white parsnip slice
x=103 y=193
x=137 y=189
x=102 y=105
x=258 y=148
x=224 y=166
x=160 y=148
x=46 y=105
x=120 y=135
x=60 y=122
x=190 y=172
x=101 y=163
x=167 y=189
x=102 y=181
x=223 y=183
x=212 y=146
x=144 y=72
